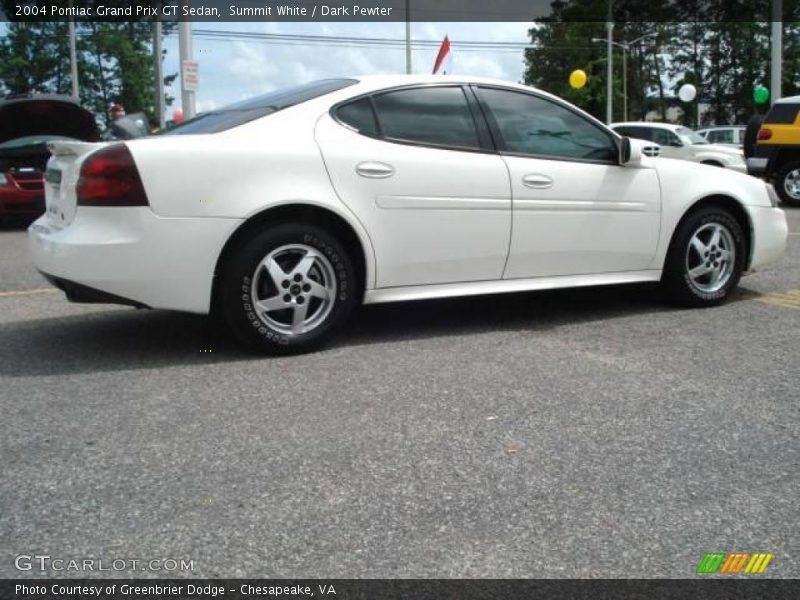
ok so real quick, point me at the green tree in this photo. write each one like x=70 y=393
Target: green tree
x=564 y=41
x=32 y=59
x=115 y=62
x=719 y=46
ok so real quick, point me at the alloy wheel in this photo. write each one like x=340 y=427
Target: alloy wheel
x=294 y=289
x=791 y=184
x=710 y=257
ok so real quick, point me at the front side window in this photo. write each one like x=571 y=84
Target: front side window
x=533 y=125
x=664 y=137
x=438 y=116
x=690 y=137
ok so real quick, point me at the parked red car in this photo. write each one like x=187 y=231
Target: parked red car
x=26 y=125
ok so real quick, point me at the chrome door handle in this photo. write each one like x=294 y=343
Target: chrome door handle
x=537 y=180
x=374 y=169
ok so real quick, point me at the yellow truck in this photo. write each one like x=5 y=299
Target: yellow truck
x=776 y=156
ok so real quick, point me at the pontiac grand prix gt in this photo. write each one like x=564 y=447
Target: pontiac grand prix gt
x=283 y=212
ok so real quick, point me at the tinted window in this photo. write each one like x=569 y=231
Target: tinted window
x=532 y=125
x=253 y=108
x=640 y=133
x=359 y=115
x=431 y=115
x=782 y=113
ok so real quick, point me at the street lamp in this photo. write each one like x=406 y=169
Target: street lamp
x=626 y=46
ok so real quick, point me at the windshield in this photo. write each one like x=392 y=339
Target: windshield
x=690 y=137
x=243 y=112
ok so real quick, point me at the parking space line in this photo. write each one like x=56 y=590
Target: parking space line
x=27 y=292
x=787 y=299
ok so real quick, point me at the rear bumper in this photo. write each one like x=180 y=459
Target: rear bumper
x=131 y=256
x=770 y=232
x=76 y=292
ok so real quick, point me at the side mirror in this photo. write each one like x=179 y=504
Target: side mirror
x=630 y=152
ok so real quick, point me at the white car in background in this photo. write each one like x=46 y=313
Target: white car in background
x=284 y=212
x=682 y=143
x=727 y=135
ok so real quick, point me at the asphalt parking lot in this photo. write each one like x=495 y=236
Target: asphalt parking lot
x=583 y=433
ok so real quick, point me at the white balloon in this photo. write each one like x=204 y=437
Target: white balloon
x=687 y=92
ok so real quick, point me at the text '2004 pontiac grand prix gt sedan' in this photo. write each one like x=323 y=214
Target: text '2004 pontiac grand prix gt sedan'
x=283 y=212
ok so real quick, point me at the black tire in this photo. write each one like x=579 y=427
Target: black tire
x=780 y=183
x=245 y=280
x=700 y=291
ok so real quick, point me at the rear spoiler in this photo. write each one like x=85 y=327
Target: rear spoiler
x=76 y=149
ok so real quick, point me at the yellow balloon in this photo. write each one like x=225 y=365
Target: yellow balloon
x=577 y=79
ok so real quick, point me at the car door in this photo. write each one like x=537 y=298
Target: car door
x=417 y=168
x=575 y=210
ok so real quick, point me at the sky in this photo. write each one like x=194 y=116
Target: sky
x=231 y=70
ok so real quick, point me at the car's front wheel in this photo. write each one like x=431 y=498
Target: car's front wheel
x=287 y=289
x=706 y=258
x=787 y=183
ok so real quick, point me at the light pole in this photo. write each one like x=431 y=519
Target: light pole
x=188 y=96
x=776 y=43
x=408 y=37
x=73 y=56
x=626 y=46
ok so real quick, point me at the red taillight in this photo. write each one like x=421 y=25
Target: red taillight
x=764 y=134
x=109 y=178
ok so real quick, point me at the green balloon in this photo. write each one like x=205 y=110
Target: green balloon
x=760 y=94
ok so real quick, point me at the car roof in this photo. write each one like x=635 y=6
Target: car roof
x=714 y=127
x=788 y=100
x=377 y=82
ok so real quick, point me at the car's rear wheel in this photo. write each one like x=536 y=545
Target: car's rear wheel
x=706 y=258
x=787 y=183
x=287 y=289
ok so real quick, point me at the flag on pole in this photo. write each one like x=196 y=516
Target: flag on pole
x=444 y=52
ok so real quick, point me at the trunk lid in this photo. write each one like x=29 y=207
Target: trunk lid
x=63 y=170
x=46 y=115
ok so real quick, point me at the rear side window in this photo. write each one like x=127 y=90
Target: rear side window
x=438 y=116
x=782 y=114
x=248 y=110
x=360 y=116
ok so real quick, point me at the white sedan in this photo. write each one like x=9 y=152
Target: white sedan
x=284 y=212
